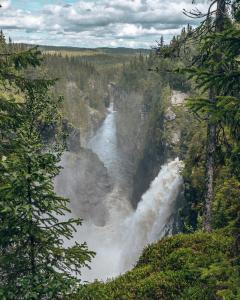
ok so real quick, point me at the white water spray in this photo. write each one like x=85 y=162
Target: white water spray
x=120 y=241
x=153 y=215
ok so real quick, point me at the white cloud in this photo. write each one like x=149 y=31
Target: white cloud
x=5 y=4
x=102 y=22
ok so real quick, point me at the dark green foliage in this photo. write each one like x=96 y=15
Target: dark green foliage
x=224 y=76
x=194 y=176
x=194 y=266
x=34 y=263
x=226 y=206
x=217 y=68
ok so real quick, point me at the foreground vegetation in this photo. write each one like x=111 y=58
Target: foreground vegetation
x=34 y=262
x=193 y=266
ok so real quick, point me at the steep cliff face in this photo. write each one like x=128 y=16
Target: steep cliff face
x=77 y=109
x=85 y=181
x=84 y=178
x=82 y=87
x=131 y=122
x=148 y=132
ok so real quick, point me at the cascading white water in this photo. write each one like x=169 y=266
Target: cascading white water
x=104 y=144
x=153 y=214
x=120 y=241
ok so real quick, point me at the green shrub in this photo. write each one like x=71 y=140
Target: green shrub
x=191 y=266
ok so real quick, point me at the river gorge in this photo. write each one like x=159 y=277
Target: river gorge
x=98 y=182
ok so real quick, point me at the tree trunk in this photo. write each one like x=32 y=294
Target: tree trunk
x=211 y=147
x=220 y=15
x=211 y=134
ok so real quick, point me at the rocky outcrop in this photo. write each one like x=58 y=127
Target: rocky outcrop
x=73 y=139
x=77 y=109
x=172 y=119
x=170 y=115
x=178 y=98
x=85 y=181
x=49 y=133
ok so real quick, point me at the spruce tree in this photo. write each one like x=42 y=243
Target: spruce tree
x=34 y=263
x=161 y=42
x=214 y=66
x=209 y=61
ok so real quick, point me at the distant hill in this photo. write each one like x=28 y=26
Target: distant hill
x=101 y=50
x=99 y=56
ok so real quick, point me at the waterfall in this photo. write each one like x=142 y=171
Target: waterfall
x=154 y=212
x=104 y=144
x=119 y=242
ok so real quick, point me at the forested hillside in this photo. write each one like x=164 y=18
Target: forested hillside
x=83 y=79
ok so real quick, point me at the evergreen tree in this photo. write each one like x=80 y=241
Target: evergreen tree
x=209 y=60
x=34 y=263
x=161 y=42
x=214 y=67
x=2 y=38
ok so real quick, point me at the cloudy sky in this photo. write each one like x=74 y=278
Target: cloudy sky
x=94 y=23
